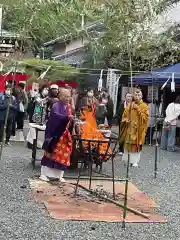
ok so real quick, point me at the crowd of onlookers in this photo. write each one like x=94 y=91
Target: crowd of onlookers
x=166 y=121
x=36 y=104
x=14 y=99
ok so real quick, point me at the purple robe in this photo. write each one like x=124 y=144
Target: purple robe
x=55 y=127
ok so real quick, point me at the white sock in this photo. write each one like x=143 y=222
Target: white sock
x=61 y=174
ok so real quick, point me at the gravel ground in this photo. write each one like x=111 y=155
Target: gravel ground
x=21 y=218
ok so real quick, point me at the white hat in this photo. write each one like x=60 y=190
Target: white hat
x=54 y=86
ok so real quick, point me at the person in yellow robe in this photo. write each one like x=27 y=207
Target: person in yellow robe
x=133 y=128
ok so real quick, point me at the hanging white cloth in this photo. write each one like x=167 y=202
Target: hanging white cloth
x=31 y=136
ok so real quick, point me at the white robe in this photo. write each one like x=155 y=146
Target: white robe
x=134 y=157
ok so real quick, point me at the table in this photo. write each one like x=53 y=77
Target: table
x=38 y=128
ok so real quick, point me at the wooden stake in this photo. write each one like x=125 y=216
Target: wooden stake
x=95 y=178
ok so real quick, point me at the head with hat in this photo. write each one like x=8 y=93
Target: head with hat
x=54 y=90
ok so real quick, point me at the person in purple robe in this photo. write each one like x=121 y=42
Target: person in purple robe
x=58 y=139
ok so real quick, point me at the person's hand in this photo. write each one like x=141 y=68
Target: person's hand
x=126 y=120
x=135 y=106
x=71 y=117
x=45 y=100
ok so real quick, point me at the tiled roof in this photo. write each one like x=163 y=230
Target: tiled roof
x=75 y=57
x=96 y=26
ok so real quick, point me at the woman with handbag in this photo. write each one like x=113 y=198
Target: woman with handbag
x=39 y=115
x=168 y=138
x=58 y=143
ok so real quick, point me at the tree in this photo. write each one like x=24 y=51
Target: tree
x=45 y=20
x=128 y=29
x=130 y=32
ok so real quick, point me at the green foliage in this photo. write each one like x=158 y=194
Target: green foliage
x=45 y=20
x=58 y=70
x=129 y=31
x=128 y=28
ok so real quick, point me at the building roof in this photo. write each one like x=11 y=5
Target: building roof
x=75 y=57
x=97 y=26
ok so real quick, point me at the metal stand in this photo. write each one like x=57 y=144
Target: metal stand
x=156 y=147
x=90 y=149
x=156 y=133
x=42 y=110
x=126 y=192
x=34 y=149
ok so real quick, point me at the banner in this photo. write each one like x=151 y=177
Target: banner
x=112 y=85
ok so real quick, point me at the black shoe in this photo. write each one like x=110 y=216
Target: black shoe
x=29 y=145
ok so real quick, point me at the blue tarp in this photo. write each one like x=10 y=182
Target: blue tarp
x=159 y=75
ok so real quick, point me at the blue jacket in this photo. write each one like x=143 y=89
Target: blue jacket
x=4 y=100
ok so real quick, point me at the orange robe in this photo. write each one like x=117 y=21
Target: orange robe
x=134 y=126
x=89 y=130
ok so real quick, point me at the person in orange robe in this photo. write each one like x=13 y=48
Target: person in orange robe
x=89 y=130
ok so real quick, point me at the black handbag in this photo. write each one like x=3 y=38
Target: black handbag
x=50 y=144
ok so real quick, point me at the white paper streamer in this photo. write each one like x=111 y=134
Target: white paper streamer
x=100 y=83
x=173 y=84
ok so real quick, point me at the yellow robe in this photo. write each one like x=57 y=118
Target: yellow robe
x=134 y=126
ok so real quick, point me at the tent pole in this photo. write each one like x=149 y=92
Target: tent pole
x=156 y=134
x=156 y=144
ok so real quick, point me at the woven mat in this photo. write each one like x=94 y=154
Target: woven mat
x=62 y=205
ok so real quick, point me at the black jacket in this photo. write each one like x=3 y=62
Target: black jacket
x=110 y=109
x=4 y=100
x=120 y=112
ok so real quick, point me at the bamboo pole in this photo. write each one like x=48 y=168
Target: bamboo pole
x=5 y=126
x=6 y=117
x=118 y=204
x=96 y=178
x=125 y=207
